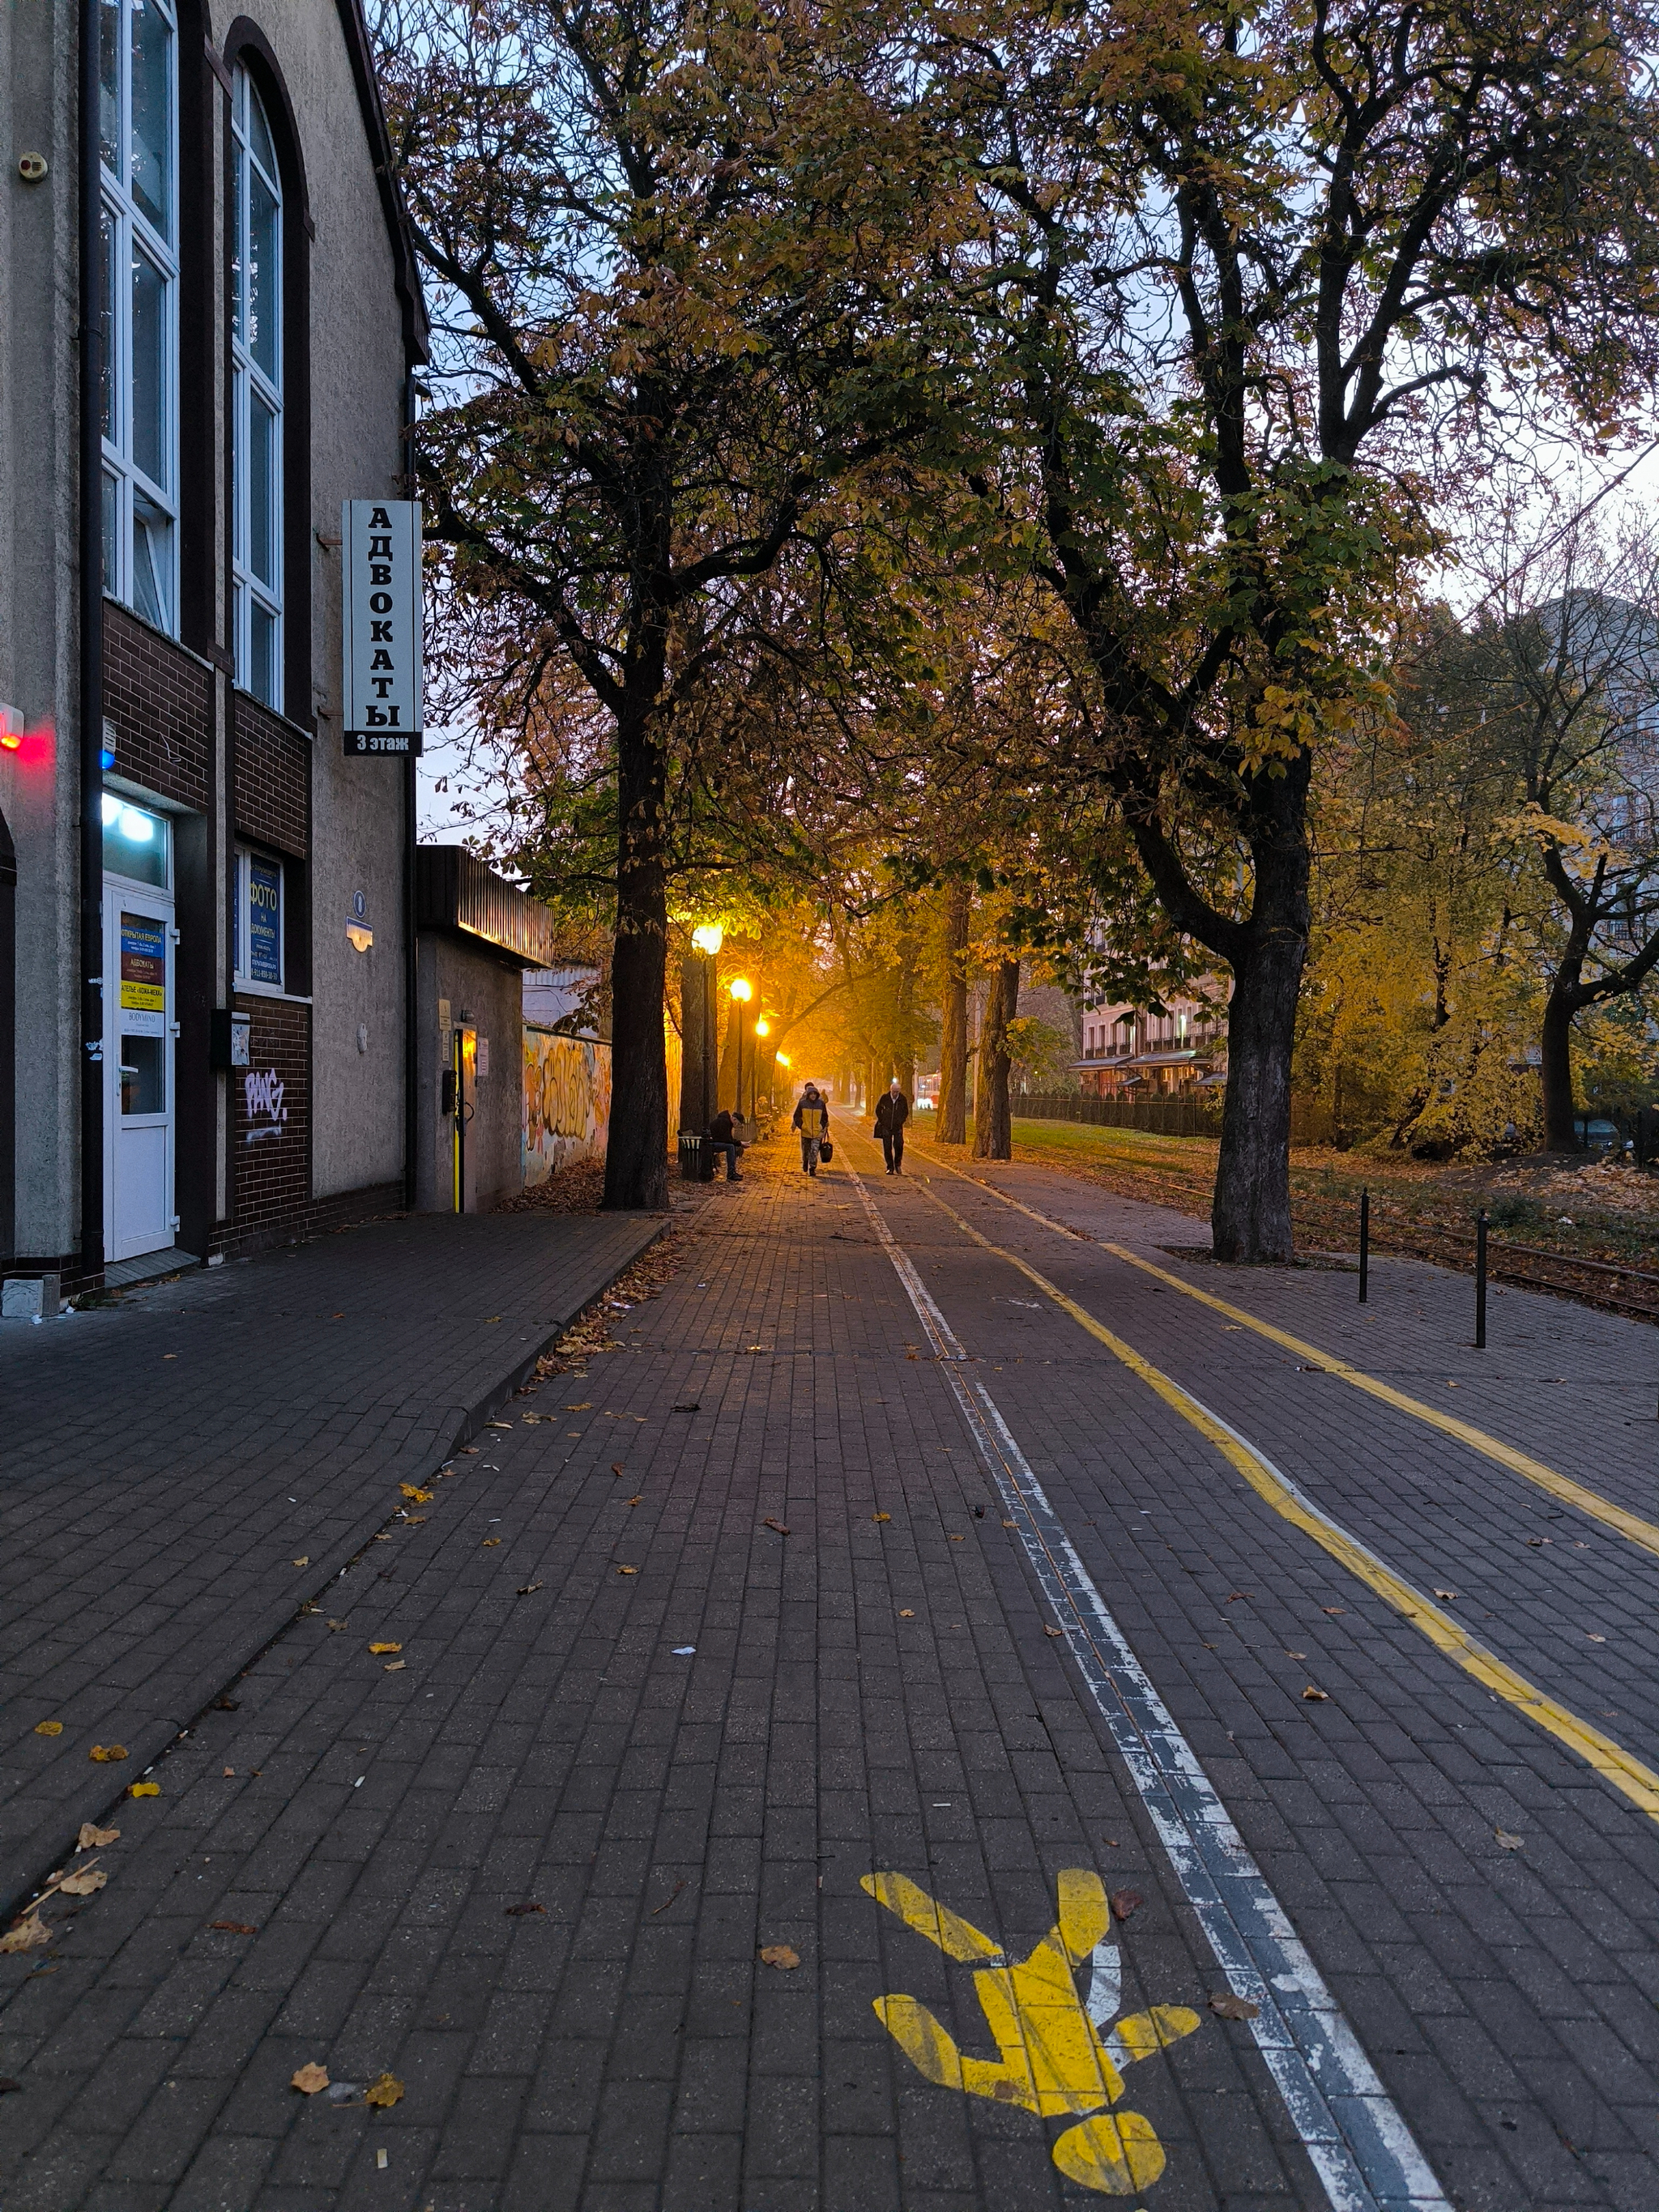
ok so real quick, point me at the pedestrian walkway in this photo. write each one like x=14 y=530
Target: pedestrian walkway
x=184 y=1468
x=881 y=1758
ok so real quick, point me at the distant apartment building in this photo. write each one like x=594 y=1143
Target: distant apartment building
x=1131 y=1052
x=208 y=320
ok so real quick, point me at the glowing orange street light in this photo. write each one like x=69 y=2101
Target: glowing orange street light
x=742 y=990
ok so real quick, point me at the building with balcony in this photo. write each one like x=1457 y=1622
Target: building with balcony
x=1131 y=1052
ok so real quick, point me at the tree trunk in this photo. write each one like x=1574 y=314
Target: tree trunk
x=904 y=1058
x=953 y=1024
x=1251 y=1216
x=993 y=1123
x=1556 y=1070
x=636 y=1155
x=692 y=997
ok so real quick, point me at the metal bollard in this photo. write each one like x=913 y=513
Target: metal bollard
x=1365 y=1244
x=1481 y=1280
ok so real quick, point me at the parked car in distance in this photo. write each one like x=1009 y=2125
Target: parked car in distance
x=1598 y=1136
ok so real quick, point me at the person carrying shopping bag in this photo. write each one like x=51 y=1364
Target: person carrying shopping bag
x=811 y=1118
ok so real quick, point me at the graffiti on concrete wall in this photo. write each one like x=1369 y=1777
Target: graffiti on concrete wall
x=567 y=1102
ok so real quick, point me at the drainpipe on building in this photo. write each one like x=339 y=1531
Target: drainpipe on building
x=92 y=662
x=411 y=949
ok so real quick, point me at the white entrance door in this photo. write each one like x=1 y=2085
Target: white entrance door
x=138 y=1078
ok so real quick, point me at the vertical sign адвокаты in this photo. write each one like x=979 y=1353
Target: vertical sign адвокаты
x=381 y=550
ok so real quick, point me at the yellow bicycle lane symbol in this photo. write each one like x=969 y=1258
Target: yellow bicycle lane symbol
x=1057 y=2053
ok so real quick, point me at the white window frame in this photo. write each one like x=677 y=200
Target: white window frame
x=132 y=232
x=244 y=979
x=247 y=379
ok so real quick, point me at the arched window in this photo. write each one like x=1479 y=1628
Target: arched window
x=257 y=400
x=138 y=132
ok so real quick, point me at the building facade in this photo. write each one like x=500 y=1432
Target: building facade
x=1131 y=1052
x=209 y=321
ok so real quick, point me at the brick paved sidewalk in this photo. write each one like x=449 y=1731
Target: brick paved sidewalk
x=182 y=1469
x=1577 y=1387
x=530 y=1873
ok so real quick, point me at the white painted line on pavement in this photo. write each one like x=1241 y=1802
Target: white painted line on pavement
x=1359 y=2145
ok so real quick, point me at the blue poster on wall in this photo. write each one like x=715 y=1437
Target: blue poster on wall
x=264 y=920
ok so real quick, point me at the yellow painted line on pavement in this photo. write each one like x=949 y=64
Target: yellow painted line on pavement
x=1611 y=1760
x=1559 y=1486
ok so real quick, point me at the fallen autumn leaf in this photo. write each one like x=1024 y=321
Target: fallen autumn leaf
x=1232 y=2008
x=770 y=1523
x=94 y=1839
x=104 y=1752
x=779 y=1955
x=310 y=2079
x=384 y=2091
x=30 y=1934
x=1125 y=1901
x=144 y=1789
x=235 y=1928
x=1316 y=1696
x=48 y=1728
x=87 y=1883
x=380 y=1649
x=1508 y=1842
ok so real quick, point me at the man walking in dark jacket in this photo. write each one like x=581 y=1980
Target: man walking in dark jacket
x=892 y=1112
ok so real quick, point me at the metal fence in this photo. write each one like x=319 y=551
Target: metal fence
x=1161 y=1117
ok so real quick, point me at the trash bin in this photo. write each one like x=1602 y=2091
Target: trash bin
x=696 y=1157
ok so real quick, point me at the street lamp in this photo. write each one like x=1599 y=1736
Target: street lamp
x=762 y=1027
x=742 y=990
x=700 y=1027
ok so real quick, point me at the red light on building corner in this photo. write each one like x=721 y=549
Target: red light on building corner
x=30 y=746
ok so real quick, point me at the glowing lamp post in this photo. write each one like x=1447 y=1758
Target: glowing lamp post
x=699 y=1026
x=742 y=992
x=762 y=1027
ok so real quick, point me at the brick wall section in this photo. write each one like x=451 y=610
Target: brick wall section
x=270 y=1112
x=273 y=778
x=323 y=1218
x=160 y=698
